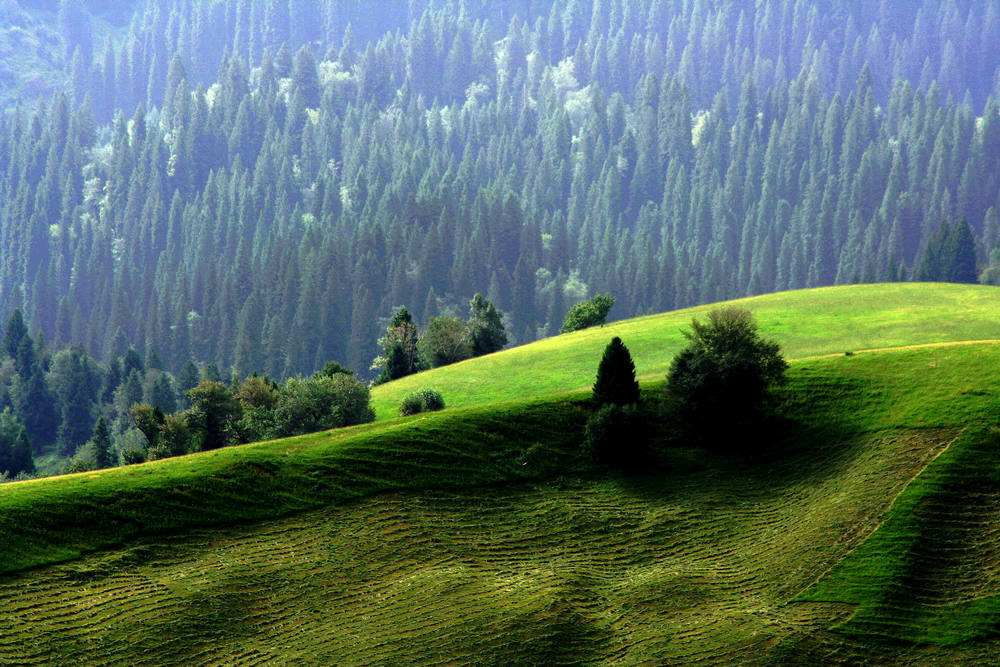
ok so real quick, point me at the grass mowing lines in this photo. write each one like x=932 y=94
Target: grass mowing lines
x=691 y=568
x=55 y=519
x=931 y=573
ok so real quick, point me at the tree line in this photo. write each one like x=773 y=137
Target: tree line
x=62 y=411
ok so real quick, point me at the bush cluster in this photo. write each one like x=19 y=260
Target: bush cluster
x=721 y=382
x=424 y=400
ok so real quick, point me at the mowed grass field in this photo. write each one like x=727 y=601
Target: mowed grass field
x=829 y=320
x=866 y=533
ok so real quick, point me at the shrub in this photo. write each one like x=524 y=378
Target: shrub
x=425 y=400
x=132 y=455
x=411 y=404
x=590 y=313
x=616 y=436
x=432 y=400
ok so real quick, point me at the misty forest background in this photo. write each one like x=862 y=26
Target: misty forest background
x=260 y=184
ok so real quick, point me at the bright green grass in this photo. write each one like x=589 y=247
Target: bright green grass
x=699 y=566
x=811 y=322
x=931 y=573
x=425 y=539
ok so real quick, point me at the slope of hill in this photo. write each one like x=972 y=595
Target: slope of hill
x=492 y=540
x=829 y=320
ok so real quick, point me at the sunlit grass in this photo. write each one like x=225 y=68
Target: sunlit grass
x=829 y=320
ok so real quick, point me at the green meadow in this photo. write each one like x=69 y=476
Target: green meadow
x=829 y=320
x=864 y=531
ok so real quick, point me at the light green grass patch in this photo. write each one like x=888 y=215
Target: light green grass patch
x=828 y=320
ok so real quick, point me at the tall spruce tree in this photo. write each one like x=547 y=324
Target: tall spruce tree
x=616 y=383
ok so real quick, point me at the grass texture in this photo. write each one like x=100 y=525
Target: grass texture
x=866 y=533
x=829 y=320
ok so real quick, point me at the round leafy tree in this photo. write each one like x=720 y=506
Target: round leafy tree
x=590 y=313
x=616 y=382
x=722 y=379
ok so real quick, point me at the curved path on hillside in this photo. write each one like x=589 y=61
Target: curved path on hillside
x=896 y=348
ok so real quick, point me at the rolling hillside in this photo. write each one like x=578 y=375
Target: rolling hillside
x=829 y=320
x=481 y=534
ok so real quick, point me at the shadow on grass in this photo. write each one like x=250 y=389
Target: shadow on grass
x=813 y=429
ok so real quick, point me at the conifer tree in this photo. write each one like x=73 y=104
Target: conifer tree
x=486 y=328
x=15 y=447
x=616 y=383
x=102 y=443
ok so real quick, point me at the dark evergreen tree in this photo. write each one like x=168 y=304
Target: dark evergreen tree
x=15 y=446
x=13 y=334
x=486 y=329
x=616 y=383
x=101 y=439
x=305 y=80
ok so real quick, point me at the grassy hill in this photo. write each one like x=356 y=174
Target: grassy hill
x=481 y=534
x=829 y=320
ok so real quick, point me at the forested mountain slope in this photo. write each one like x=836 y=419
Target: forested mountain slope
x=265 y=201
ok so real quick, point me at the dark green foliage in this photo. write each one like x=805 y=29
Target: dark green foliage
x=101 y=440
x=213 y=414
x=397 y=364
x=446 y=341
x=301 y=405
x=335 y=368
x=257 y=396
x=616 y=383
x=175 y=436
x=486 y=328
x=187 y=378
x=15 y=448
x=411 y=404
x=722 y=379
x=305 y=81
x=590 y=313
x=35 y=405
x=424 y=400
x=306 y=406
x=399 y=345
x=149 y=420
x=617 y=436
x=131 y=456
x=14 y=332
x=161 y=394
x=76 y=382
x=949 y=256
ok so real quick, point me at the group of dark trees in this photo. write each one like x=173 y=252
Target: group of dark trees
x=262 y=202
x=446 y=340
x=256 y=408
x=719 y=391
x=65 y=408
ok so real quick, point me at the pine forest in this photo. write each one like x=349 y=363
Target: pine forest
x=211 y=190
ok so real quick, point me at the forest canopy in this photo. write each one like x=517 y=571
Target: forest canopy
x=263 y=203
